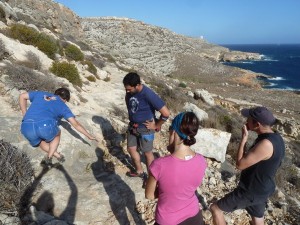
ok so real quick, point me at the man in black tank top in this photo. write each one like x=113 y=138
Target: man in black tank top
x=258 y=165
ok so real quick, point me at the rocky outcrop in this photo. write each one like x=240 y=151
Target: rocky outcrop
x=238 y=56
x=46 y=13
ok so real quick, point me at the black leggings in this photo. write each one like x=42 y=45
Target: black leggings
x=195 y=220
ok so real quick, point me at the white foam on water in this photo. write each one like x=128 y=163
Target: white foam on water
x=276 y=78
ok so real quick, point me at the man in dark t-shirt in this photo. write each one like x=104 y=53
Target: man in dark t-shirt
x=259 y=166
x=142 y=103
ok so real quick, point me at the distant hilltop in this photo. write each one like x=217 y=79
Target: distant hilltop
x=151 y=49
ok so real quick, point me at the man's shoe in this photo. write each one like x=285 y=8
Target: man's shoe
x=46 y=161
x=135 y=174
x=61 y=159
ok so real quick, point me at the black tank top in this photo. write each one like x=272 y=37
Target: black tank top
x=259 y=179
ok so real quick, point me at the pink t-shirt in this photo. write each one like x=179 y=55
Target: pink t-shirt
x=177 y=181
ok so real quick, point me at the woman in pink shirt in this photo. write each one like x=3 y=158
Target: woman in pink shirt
x=173 y=179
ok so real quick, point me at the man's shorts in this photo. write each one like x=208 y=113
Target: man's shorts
x=35 y=132
x=239 y=199
x=143 y=139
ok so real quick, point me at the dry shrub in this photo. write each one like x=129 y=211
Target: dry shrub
x=23 y=78
x=91 y=68
x=3 y=51
x=2 y=15
x=32 y=62
x=106 y=79
x=121 y=114
x=174 y=98
x=15 y=176
x=97 y=60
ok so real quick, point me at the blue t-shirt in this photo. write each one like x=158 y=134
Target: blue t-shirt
x=141 y=106
x=45 y=105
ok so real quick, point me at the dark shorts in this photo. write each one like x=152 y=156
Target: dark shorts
x=35 y=132
x=195 y=220
x=239 y=199
x=144 y=139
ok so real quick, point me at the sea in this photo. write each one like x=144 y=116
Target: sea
x=280 y=61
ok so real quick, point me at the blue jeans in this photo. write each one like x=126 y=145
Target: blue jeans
x=35 y=132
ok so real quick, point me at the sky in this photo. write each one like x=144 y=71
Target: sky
x=218 y=21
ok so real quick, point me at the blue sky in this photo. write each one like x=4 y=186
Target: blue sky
x=218 y=21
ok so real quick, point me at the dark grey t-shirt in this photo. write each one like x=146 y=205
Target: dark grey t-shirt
x=259 y=179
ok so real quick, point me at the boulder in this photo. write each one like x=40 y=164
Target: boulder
x=190 y=107
x=212 y=143
x=205 y=96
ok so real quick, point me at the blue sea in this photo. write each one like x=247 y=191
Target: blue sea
x=282 y=62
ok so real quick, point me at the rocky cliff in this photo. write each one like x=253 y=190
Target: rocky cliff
x=46 y=13
x=143 y=47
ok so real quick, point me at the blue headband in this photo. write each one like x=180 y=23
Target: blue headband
x=176 y=125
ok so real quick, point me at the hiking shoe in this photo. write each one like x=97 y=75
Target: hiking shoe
x=61 y=159
x=135 y=174
x=46 y=161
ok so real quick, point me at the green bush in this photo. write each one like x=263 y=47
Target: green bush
x=24 y=34
x=73 y=52
x=66 y=70
x=91 y=78
x=30 y=36
x=48 y=45
x=91 y=68
x=182 y=85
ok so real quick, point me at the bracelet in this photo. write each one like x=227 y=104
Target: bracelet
x=164 y=118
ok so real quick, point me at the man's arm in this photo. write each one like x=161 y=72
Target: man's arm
x=80 y=128
x=156 y=125
x=261 y=151
x=23 y=102
x=164 y=115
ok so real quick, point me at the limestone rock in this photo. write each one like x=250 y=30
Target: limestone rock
x=212 y=143
x=190 y=107
x=205 y=96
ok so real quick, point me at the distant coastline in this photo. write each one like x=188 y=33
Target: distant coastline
x=280 y=62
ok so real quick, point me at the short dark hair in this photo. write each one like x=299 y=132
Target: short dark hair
x=132 y=79
x=189 y=126
x=64 y=93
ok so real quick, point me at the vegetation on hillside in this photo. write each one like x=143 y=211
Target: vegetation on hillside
x=66 y=70
x=16 y=174
x=30 y=36
x=73 y=53
x=2 y=15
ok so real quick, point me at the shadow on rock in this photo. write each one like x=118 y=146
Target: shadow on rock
x=45 y=203
x=68 y=127
x=121 y=197
x=113 y=140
